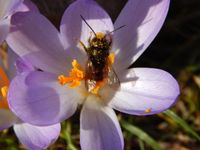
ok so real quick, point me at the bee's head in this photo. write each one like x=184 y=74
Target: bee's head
x=101 y=41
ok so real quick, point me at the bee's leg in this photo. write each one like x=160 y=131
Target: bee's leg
x=83 y=46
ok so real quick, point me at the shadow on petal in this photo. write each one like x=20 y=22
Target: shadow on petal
x=143 y=20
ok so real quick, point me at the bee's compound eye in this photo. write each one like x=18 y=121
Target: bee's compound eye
x=94 y=40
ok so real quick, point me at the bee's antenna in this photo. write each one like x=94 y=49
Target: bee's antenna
x=117 y=28
x=88 y=25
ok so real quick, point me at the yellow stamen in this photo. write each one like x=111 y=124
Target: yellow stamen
x=4 y=91
x=75 y=76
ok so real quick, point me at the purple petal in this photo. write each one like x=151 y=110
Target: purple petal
x=4 y=29
x=23 y=66
x=74 y=29
x=17 y=65
x=12 y=57
x=100 y=129
x=33 y=37
x=143 y=20
x=27 y=5
x=7 y=7
x=146 y=91
x=35 y=137
x=7 y=119
x=39 y=99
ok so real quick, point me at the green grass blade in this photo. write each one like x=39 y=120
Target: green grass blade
x=141 y=135
x=141 y=143
x=181 y=123
x=66 y=134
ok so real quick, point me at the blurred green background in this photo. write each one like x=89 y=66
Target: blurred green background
x=176 y=49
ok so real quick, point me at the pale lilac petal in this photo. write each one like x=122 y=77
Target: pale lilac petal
x=37 y=40
x=17 y=65
x=100 y=129
x=143 y=20
x=74 y=29
x=23 y=66
x=7 y=119
x=7 y=7
x=145 y=91
x=39 y=99
x=27 y=5
x=12 y=57
x=35 y=137
x=4 y=29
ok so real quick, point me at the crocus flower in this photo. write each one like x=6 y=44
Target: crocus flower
x=52 y=93
x=7 y=9
x=33 y=137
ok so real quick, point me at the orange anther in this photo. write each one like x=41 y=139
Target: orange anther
x=75 y=76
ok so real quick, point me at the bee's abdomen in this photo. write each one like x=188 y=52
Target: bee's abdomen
x=98 y=75
x=96 y=69
x=98 y=56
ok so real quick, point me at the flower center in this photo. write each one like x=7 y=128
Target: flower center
x=4 y=82
x=77 y=74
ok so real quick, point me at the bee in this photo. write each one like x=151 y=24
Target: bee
x=98 y=67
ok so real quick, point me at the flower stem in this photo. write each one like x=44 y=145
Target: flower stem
x=67 y=135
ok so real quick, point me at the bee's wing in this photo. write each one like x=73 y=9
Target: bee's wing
x=113 y=80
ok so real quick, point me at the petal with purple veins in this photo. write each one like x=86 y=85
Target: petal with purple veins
x=73 y=28
x=27 y=5
x=36 y=137
x=33 y=37
x=145 y=91
x=38 y=98
x=143 y=20
x=100 y=129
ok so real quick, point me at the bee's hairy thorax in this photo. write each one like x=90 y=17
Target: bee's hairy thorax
x=98 y=52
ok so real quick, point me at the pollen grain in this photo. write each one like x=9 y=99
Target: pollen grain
x=148 y=110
